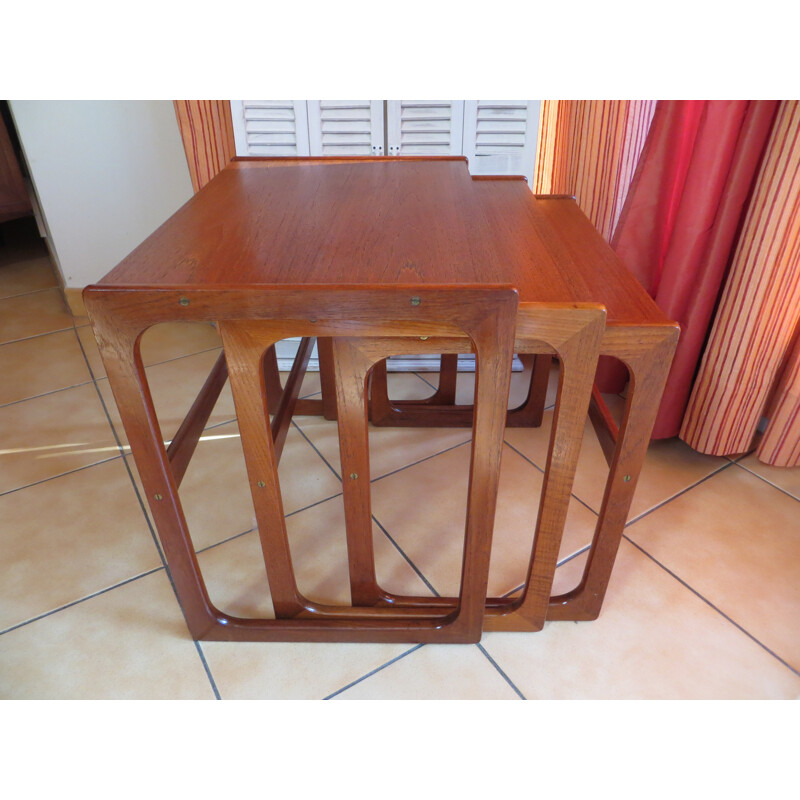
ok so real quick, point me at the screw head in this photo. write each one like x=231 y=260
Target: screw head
x=184 y=301
x=415 y=301
x=423 y=338
x=626 y=478
x=353 y=476
x=158 y=496
x=261 y=484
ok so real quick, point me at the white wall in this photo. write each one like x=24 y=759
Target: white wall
x=107 y=174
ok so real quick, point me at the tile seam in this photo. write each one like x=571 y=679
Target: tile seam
x=719 y=611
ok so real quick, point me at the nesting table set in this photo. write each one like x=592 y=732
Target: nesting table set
x=373 y=258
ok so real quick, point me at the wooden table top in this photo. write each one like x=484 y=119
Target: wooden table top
x=378 y=222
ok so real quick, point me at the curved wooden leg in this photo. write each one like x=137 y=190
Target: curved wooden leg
x=648 y=355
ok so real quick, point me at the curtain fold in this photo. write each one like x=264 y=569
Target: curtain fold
x=207 y=131
x=679 y=225
x=751 y=365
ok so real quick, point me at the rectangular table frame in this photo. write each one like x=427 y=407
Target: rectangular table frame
x=365 y=326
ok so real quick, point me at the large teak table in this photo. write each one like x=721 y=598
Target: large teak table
x=373 y=258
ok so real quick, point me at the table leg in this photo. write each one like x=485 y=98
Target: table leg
x=126 y=375
x=648 y=355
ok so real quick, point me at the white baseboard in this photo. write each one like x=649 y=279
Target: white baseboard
x=286 y=350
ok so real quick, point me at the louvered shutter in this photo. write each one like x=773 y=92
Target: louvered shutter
x=425 y=127
x=500 y=136
x=270 y=127
x=345 y=127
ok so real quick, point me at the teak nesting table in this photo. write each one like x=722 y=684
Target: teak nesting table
x=373 y=258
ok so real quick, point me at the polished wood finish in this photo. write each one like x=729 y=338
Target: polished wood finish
x=375 y=257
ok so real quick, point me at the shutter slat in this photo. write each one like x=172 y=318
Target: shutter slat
x=270 y=127
x=425 y=127
x=345 y=127
x=500 y=137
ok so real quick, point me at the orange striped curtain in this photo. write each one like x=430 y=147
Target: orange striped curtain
x=207 y=131
x=589 y=149
x=751 y=366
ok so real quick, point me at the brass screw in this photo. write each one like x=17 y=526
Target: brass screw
x=423 y=338
x=626 y=478
x=415 y=301
x=353 y=476
x=184 y=301
x=261 y=484
x=158 y=496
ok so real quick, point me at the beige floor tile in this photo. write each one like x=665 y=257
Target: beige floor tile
x=174 y=387
x=128 y=643
x=654 y=639
x=569 y=574
x=311 y=384
x=423 y=508
x=292 y=670
x=53 y=434
x=735 y=540
x=42 y=364
x=786 y=478
x=435 y=672
x=670 y=466
x=164 y=342
x=237 y=580
x=25 y=271
x=215 y=492
x=390 y=448
x=70 y=537
x=33 y=314
x=237 y=583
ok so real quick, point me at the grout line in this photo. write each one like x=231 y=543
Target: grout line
x=45 y=394
x=498 y=668
x=31 y=291
x=37 y=335
x=208 y=671
x=218 y=424
x=709 y=603
x=81 y=600
x=435 y=388
x=60 y=475
x=420 y=461
x=372 y=672
x=534 y=464
x=255 y=527
x=410 y=562
x=770 y=483
x=678 y=494
x=574 y=555
x=316 y=451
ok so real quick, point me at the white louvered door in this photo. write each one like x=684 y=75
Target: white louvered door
x=500 y=136
x=345 y=127
x=424 y=127
x=270 y=127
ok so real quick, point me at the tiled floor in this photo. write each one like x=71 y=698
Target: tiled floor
x=704 y=601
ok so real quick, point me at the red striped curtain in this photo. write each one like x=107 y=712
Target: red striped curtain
x=207 y=131
x=751 y=365
x=589 y=149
